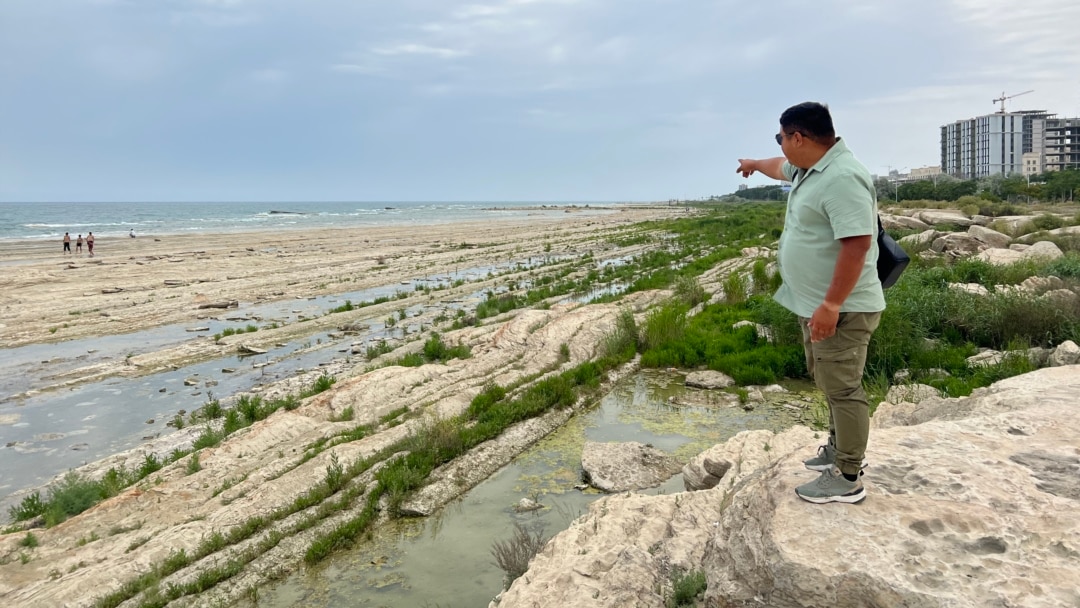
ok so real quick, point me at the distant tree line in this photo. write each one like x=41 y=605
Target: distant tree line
x=1050 y=186
x=759 y=193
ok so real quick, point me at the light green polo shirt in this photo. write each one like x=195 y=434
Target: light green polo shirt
x=832 y=200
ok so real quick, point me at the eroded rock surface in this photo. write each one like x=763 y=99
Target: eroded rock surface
x=709 y=379
x=971 y=502
x=629 y=465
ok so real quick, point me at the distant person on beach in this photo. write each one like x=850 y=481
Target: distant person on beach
x=90 y=243
x=67 y=243
x=78 y=244
x=132 y=233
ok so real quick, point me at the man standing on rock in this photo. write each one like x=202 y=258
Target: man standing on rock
x=828 y=261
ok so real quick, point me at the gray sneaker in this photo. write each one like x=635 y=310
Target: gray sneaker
x=825 y=459
x=832 y=487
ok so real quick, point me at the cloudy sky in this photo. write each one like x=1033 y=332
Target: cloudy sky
x=440 y=100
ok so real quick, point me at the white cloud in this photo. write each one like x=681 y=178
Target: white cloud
x=420 y=49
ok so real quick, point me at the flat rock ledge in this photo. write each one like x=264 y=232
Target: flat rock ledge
x=971 y=502
x=617 y=467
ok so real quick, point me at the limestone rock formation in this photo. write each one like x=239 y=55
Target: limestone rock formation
x=957 y=244
x=709 y=379
x=992 y=238
x=760 y=330
x=621 y=466
x=945 y=217
x=1041 y=285
x=971 y=502
x=1067 y=353
x=1045 y=250
x=902 y=222
x=913 y=393
x=1000 y=257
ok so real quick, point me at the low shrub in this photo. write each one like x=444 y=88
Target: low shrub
x=513 y=555
x=686 y=587
x=689 y=291
x=625 y=337
x=664 y=325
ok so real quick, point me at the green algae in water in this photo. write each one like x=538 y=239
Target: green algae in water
x=446 y=559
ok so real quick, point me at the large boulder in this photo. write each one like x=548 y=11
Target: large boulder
x=992 y=238
x=617 y=467
x=1067 y=353
x=742 y=455
x=1065 y=231
x=922 y=239
x=1000 y=257
x=959 y=514
x=1043 y=250
x=1012 y=223
x=1040 y=285
x=1064 y=299
x=981 y=508
x=957 y=244
x=902 y=222
x=944 y=217
x=977 y=289
x=709 y=379
x=913 y=393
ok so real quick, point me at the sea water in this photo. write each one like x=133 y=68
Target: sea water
x=52 y=220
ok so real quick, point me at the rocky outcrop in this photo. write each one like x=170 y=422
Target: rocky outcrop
x=617 y=467
x=742 y=456
x=261 y=470
x=971 y=502
x=1042 y=250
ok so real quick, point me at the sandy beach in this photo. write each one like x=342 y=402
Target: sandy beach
x=105 y=409
x=134 y=284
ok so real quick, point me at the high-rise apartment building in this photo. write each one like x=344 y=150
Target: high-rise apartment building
x=993 y=144
x=1058 y=140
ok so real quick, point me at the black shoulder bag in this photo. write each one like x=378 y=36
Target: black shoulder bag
x=892 y=259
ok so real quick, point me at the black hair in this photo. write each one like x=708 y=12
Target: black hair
x=812 y=119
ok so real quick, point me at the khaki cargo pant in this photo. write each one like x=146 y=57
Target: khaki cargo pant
x=836 y=365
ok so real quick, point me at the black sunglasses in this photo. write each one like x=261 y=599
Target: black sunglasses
x=780 y=137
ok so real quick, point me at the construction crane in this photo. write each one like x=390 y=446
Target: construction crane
x=1003 y=98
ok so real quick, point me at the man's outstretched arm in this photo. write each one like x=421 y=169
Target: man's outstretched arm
x=771 y=167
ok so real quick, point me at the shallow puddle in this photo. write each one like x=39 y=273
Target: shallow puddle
x=446 y=560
